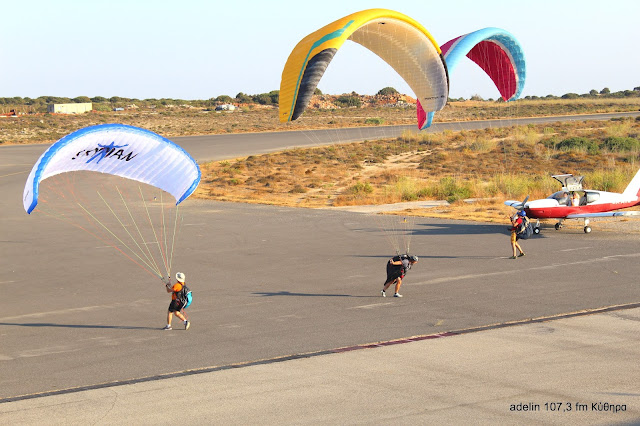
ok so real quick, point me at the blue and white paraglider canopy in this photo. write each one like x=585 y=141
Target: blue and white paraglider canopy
x=120 y=150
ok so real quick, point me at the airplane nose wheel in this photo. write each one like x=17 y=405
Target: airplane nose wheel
x=536 y=230
x=587 y=229
x=558 y=226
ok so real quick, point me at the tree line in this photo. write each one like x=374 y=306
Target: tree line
x=353 y=99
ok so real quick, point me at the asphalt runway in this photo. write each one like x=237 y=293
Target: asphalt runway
x=227 y=146
x=270 y=282
x=570 y=370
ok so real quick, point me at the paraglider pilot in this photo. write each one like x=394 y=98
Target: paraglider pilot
x=176 y=304
x=397 y=267
x=516 y=223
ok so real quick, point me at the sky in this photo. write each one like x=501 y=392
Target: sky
x=200 y=49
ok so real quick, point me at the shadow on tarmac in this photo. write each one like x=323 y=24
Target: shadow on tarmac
x=50 y=324
x=423 y=256
x=448 y=229
x=460 y=229
x=288 y=293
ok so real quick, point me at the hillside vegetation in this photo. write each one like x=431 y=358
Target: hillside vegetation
x=258 y=113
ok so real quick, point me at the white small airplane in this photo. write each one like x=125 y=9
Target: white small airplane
x=573 y=202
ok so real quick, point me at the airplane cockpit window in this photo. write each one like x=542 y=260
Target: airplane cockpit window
x=591 y=197
x=561 y=197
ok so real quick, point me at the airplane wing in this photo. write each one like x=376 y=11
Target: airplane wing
x=514 y=204
x=605 y=214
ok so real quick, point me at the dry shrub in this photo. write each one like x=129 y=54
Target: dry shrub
x=619 y=129
x=497 y=164
x=483 y=145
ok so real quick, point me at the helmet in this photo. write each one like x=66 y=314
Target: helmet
x=522 y=213
x=180 y=277
x=413 y=258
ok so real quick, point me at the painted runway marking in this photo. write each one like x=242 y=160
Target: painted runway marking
x=375 y=305
x=230 y=326
x=134 y=303
x=577 y=248
x=307 y=355
x=520 y=271
x=16 y=173
x=282 y=318
x=6 y=282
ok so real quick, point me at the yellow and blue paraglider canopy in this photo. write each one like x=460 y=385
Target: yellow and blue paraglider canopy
x=396 y=38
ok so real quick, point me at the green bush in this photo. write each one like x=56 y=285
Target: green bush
x=609 y=180
x=449 y=189
x=262 y=99
x=241 y=97
x=101 y=107
x=387 y=91
x=613 y=143
x=578 y=143
x=360 y=188
x=349 y=101
x=374 y=120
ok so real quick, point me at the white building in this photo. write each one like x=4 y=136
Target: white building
x=226 y=107
x=70 y=108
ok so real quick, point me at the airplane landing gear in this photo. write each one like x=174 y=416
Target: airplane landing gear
x=587 y=228
x=559 y=224
x=536 y=227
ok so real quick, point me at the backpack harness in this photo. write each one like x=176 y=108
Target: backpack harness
x=525 y=230
x=184 y=296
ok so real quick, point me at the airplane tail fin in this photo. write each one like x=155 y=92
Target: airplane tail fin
x=633 y=189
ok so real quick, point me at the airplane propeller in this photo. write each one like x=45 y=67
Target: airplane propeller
x=520 y=206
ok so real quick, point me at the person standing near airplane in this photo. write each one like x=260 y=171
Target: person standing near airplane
x=516 y=223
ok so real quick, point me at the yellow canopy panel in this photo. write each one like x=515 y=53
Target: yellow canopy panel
x=396 y=38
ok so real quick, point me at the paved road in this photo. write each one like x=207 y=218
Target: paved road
x=240 y=145
x=218 y=147
x=571 y=371
x=271 y=282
